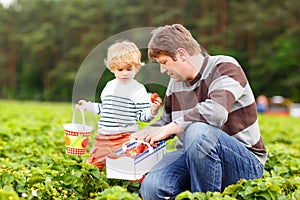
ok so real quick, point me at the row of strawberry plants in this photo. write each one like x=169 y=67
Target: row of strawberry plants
x=33 y=163
x=57 y=178
x=266 y=188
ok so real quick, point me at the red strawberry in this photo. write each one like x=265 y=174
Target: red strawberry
x=127 y=152
x=130 y=152
x=112 y=156
x=85 y=142
x=140 y=148
x=133 y=153
x=153 y=97
x=141 y=179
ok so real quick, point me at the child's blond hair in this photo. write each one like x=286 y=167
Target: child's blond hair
x=123 y=55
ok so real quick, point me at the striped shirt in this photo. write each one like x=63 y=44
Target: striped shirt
x=123 y=104
x=219 y=95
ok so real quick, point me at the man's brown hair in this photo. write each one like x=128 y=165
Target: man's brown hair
x=167 y=39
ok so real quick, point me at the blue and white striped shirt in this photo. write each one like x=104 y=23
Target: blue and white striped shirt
x=123 y=104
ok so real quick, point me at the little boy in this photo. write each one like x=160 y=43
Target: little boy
x=124 y=102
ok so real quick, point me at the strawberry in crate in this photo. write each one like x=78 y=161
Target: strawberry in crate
x=134 y=151
x=133 y=160
x=131 y=151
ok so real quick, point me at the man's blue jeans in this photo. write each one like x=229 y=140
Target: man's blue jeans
x=209 y=161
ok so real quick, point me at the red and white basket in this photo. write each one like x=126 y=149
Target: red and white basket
x=77 y=136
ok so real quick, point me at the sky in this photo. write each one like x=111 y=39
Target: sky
x=6 y=3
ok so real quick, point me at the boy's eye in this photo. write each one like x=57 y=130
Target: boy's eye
x=120 y=70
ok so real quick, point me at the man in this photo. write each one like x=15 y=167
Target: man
x=210 y=107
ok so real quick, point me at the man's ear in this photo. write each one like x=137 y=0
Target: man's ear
x=182 y=53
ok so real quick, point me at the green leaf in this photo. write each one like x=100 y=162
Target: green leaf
x=183 y=195
x=116 y=193
x=234 y=189
x=7 y=179
x=95 y=172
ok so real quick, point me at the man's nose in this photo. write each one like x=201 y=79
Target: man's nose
x=162 y=69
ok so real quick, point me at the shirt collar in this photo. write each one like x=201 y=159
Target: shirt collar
x=199 y=75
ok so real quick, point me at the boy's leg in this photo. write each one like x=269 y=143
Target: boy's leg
x=167 y=179
x=103 y=145
x=216 y=160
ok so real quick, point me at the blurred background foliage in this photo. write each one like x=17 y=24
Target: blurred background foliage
x=43 y=42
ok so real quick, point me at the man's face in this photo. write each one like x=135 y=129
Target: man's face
x=175 y=69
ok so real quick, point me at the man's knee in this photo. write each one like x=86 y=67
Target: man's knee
x=195 y=130
x=161 y=185
x=151 y=188
x=200 y=136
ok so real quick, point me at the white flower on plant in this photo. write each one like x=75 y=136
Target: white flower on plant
x=24 y=194
x=34 y=193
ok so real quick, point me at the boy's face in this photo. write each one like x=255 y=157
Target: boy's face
x=125 y=74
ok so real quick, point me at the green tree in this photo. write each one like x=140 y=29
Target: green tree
x=43 y=43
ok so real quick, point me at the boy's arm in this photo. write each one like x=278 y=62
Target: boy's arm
x=145 y=112
x=146 y=115
x=94 y=107
x=89 y=106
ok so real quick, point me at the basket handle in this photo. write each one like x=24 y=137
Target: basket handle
x=124 y=146
x=80 y=108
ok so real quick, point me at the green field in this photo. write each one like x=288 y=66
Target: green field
x=34 y=165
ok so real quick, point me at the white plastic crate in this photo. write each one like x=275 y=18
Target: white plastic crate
x=133 y=168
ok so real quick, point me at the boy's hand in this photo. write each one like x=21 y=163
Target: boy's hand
x=155 y=105
x=81 y=105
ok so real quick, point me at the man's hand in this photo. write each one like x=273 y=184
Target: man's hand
x=153 y=135
x=142 y=134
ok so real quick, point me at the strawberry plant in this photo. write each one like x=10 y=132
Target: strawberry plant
x=34 y=165
x=33 y=162
x=116 y=192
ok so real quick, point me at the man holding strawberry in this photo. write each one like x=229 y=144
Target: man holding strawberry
x=210 y=107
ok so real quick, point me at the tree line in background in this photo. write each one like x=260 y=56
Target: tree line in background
x=43 y=42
